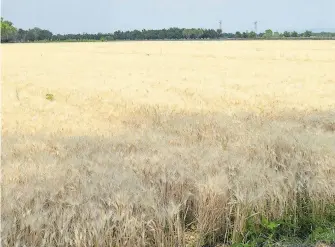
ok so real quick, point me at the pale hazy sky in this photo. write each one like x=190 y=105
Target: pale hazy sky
x=92 y=16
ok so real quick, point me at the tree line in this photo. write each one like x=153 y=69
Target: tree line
x=9 y=33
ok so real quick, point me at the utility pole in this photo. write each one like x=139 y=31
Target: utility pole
x=255 y=24
x=220 y=29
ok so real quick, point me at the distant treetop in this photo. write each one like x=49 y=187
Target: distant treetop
x=9 y=33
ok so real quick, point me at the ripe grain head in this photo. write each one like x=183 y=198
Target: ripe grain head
x=139 y=150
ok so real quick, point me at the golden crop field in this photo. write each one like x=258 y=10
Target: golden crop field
x=164 y=143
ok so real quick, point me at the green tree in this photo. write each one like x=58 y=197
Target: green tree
x=174 y=33
x=137 y=35
x=21 y=35
x=11 y=34
x=268 y=34
x=209 y=34
x=228 y=35
x=238 y=35
x=294 y=34
x=219 y=32
x=187 y=33
x=162 y=34
x=307 y=34
x=33 y=34
x=192 y=33
x=199 y=33
x=276 y=35
x=44 y=34
x=38 y=34
x=8 y=31
x=252 y=35
x=286 y=34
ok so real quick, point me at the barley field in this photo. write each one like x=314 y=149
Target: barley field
x=164 y=143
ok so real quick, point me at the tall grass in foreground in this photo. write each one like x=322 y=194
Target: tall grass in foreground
x=174 y=179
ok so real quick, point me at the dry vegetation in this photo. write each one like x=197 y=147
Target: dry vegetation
x=163 y=143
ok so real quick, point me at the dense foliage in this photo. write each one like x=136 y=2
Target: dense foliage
x=12 y=34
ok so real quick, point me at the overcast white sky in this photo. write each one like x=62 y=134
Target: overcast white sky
x=92 y=16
